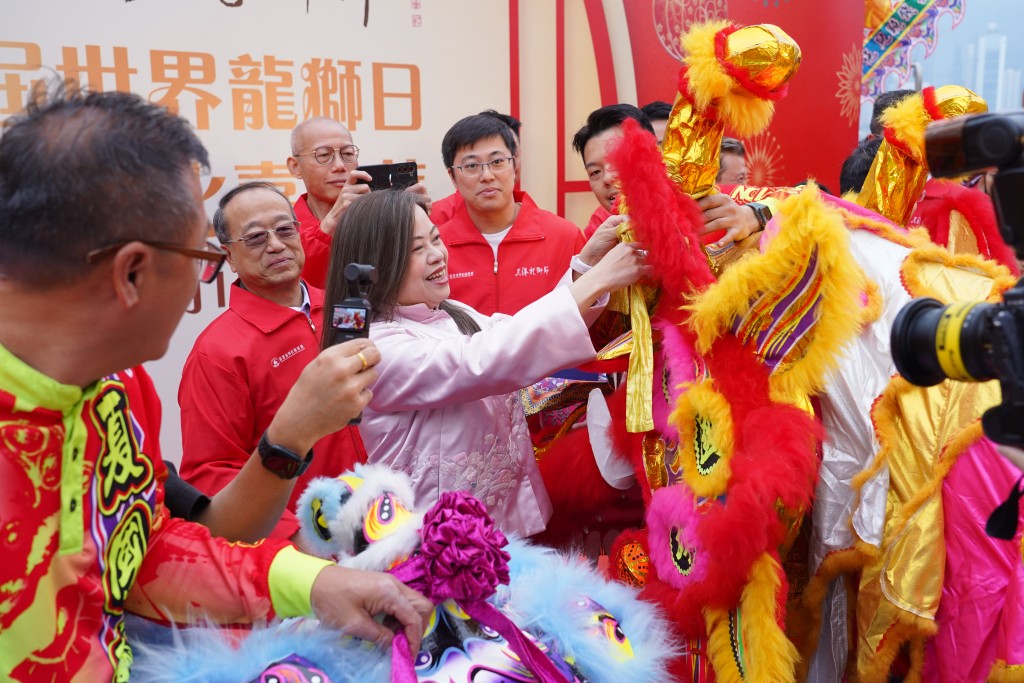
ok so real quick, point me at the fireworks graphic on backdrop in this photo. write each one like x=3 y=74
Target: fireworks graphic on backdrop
x=848 y=90
x=764 y=160
x=673 y=17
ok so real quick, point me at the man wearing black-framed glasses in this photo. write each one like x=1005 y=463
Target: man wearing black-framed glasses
x=247 y=360
x=101 y=226
x=325 y=159
x=504 y=252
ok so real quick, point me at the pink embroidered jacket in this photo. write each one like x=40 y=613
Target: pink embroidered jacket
x=445 y=409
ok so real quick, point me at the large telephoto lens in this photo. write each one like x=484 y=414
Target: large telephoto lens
x=932 y=342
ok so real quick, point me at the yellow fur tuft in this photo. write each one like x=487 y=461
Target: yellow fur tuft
x=873 y=310
x=910 y=239
x=885 y=431
x=745 y=115
x=907 y=627
x=951 y=452
x=836 y=563
x=710 y=85
x=708 y=80
x=1001 y=673
x=719 y=647
x=767 y=655
x=772 y=656
x=930 y=253
x=907 y=119
x=701 y=399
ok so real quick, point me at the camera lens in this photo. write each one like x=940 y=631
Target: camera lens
x=913 y=342
x=931 y=342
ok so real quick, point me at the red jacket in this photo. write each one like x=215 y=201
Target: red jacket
x=315 y=243
x=596 y=219
x=443 y=210
x=235 y=379
x=532 y=259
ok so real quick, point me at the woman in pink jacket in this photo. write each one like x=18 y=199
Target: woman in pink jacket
x=445 y=408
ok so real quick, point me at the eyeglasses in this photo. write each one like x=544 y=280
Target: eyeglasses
x=257 y=239
x=211 y=258
x=325 y=155
x=496 y=165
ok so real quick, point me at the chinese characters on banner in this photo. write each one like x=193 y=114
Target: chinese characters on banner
x=262 y=92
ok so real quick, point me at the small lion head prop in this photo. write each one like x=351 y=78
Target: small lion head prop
x=361 y=519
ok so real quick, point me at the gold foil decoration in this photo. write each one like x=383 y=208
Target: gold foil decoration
x=766 y=52
x=956 y=100
x=620 y=346
x=718 y=260
x=632 y=564
x=894 y=184
x=640 y=374
x=654 y=461
x=691 y=147
x=693 y=136
x=897 y=176
x=961 y=239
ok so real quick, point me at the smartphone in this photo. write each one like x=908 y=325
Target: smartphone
x=385 y=176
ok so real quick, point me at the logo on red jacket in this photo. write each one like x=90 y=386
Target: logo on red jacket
x=528 y=271
x=278 y=360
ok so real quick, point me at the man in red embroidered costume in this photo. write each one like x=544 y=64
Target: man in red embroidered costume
x=102 y=233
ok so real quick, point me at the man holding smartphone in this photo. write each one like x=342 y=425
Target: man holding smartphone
x=246 y=361
x=325 y=158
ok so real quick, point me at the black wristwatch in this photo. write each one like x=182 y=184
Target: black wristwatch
x=763 y=213
x=283 y=462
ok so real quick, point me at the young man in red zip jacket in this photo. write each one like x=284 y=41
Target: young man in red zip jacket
x=504 y=252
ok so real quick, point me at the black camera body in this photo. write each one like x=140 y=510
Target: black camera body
x=971 y=144
x=974 y=341
x=350 y=319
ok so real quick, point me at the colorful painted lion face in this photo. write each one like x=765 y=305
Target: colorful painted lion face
x=675 y=549
x=362 y=518
x=458 y=648
x=292 y=669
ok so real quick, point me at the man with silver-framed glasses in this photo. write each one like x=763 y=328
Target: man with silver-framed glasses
x=504 y=252
x=245 y=362
x=325 y=159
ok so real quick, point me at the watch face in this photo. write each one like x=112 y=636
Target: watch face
x=282 y=465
